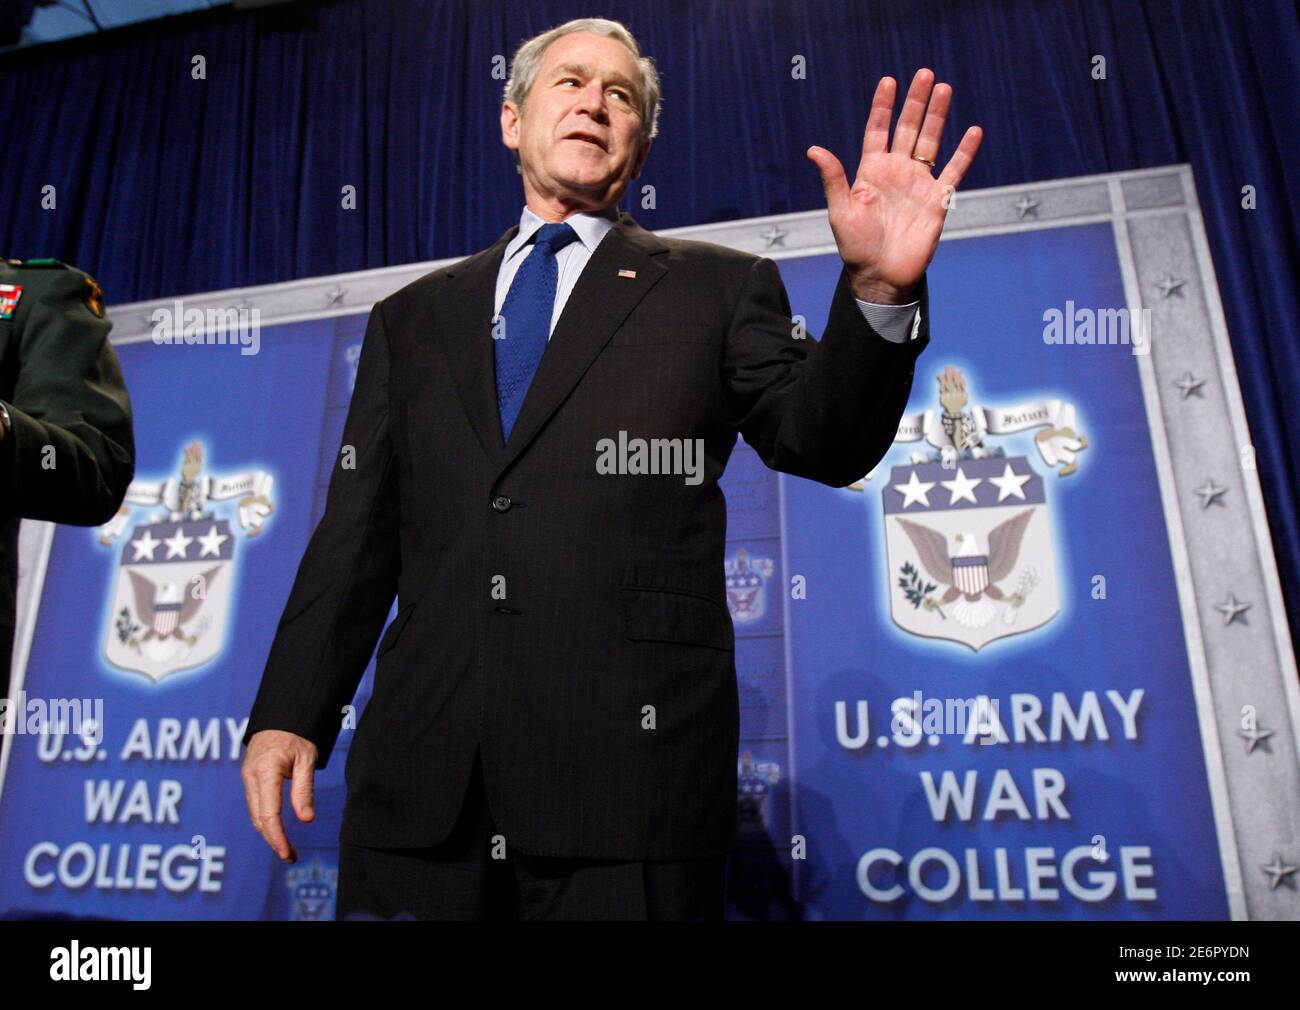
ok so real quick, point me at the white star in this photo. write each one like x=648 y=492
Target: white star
x=144 y=546
x=1189 y=384
x=1169 y=285
x=176 y=545
x=1209 y=493
x=1011 y=483
x=1026 y=205
x=1254 y=737
x=962 y=487
x=1231 y=609
x=1278 y=871
x=211 y=543
x=774 y=236
x=915 y=491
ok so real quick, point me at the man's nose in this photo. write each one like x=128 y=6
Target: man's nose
x=593 y=100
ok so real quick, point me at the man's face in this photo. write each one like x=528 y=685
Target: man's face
x=588 y=84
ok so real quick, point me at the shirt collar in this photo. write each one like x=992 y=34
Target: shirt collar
x=591 y=228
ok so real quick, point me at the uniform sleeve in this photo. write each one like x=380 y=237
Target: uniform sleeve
x=70 y=452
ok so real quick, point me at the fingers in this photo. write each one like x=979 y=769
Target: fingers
x=302 y=789
x=263 y=781
x=955 y=170
x=909 y=120
x=250 y=795
x=927 y=144
x=268 y=823
x=834 y=184
x=919 y=132
x=876 y=136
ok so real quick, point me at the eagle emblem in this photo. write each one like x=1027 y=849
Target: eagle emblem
x=971 y=576
x=746 y=579
x=172 y=595
x=167 y=607
x=969 y=545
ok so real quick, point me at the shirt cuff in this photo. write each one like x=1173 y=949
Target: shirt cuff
x=896 y=323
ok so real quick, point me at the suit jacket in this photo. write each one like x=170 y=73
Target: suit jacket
x=62 y=387
x=570 y=624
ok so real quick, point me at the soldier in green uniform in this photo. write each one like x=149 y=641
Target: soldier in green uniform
x=67 y=452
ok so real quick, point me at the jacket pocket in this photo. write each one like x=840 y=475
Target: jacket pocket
x=666 y=615
x=394 y=630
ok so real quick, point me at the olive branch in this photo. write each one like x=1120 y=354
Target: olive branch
x=917 y=590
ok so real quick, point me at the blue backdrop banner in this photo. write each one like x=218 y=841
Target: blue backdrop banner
x=1034 y=665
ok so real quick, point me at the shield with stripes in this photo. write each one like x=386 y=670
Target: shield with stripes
x=172 y=596
x=971 y=575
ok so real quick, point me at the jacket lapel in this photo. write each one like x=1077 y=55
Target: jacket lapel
x=470 y=290
x=599 y=303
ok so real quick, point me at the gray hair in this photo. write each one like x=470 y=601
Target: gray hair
x=528 y=61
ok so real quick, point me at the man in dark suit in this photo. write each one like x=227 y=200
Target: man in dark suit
x=530 y=463
x=67 y=450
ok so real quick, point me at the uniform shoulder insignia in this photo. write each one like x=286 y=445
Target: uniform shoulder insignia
x=42 y=263
x=47 y=263
x=9 y=295
x=94 y=296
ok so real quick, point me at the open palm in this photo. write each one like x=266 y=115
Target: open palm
x=888 y=221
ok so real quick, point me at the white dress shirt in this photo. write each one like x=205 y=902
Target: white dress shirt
x=897 y=323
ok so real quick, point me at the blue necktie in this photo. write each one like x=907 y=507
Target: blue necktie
x=527 y=314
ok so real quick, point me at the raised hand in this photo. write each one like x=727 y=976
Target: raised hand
x=952 y=390
x=888 y=221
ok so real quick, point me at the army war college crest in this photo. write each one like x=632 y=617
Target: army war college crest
x=968 y=534
x=171 y=598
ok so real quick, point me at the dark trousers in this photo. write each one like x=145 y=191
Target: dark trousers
x=460 y=880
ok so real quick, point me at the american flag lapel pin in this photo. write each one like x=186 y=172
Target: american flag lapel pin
x=627 y=273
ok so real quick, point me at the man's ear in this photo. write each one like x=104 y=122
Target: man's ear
x=510 y=120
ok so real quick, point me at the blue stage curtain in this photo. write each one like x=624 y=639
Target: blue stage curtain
x=166 y=184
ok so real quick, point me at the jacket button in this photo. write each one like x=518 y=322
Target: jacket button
x=501 y=503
